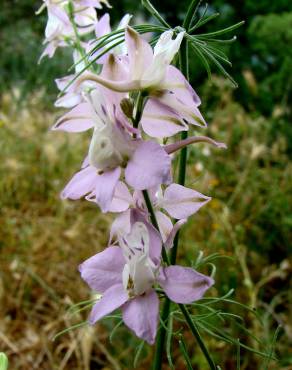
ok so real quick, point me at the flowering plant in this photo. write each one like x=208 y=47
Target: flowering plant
x=135 y=97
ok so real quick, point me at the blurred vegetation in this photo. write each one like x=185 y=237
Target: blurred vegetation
x=43 y=239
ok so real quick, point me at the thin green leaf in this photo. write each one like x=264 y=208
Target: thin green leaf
x=114 y=35
x=217 y=299
x=217 y=41
x=87 y=67
x=223 y=31
x=147 y=5
x=220 y=67
x=203 y=60
x=238 y=355
x=216 y=332
x=138 y=354
x=82 y=303
x=271 y=352
x=113 y=332
x=193 y=7
x=247 y=332
x=201 y=21
x=169 y=334
x=76 y=326
x=195 y=13
x=183 y=349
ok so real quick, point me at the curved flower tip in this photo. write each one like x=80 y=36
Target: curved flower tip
x=171 y=148
x=170 y=239
x=112 y=299
x=183 y=284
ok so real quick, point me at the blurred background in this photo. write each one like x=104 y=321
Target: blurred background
x=43 y=239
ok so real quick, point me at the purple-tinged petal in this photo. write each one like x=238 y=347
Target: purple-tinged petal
x=103 y=26
x=77 y=120
x=169 y=242
x=121 y=224
x=112 y=299
x=183 y=284
x=104 y=269
x=189 y=113
x=63 y=82
x=181 y=202
x=171 y=148
x=148 y=167
x=140 y=53
x=122 y=198
x=69 y=100
x=82 y=183
x=141 y=315
x=105 y=187
x=85 y=163
x=165 y=225
x=155 y=242
x=159 y=120
x=178 y=84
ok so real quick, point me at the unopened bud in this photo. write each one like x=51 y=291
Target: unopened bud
x=127 y=107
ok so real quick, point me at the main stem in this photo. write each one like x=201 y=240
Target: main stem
x=77 y=37
x=157 y=364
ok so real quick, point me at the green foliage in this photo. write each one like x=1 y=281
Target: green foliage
x=270 y=37
x=20 y=48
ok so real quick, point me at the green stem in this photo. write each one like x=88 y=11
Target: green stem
x=154 y=222
x=181 y=180
x=72 y=20
x=197 y=335
x=139 y=109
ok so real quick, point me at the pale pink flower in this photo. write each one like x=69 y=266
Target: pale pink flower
x=126 y=276
x=172 y=103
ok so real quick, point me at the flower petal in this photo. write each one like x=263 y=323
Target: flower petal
x=179 y=85
x=189 y=113
x=112 y=299
x=77 y=120
x=82 y=183
x=165 y=225
x=105 y=187
x=169 y=242
x=121 y=223
x=140 y=53
x=181 y=202
x=122 y=198
x=104 y=269
x=103 y=27
x=183 y=284
x=148 y=167
x=141 y=315
x=155 y=243
x=159 y=120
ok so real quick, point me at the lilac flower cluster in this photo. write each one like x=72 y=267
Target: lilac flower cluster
x=134 y=102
